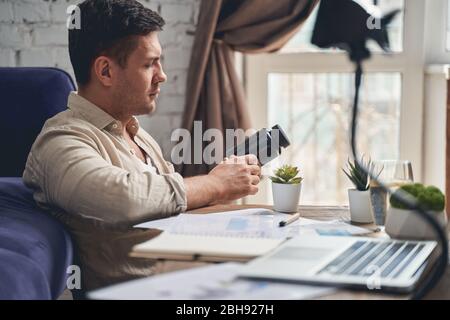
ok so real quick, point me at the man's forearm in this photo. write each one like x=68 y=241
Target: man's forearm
x=201 y=191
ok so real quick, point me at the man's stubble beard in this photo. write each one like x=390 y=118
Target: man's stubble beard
x=129 y=106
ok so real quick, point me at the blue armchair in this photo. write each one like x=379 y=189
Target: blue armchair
x=35 y=249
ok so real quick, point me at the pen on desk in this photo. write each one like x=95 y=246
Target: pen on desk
x=291 y=219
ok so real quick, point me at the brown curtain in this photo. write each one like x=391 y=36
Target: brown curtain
x=214 y=93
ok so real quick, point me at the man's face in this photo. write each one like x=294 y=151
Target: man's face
x=137 y=86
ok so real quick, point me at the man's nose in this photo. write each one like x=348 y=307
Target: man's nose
x=161 y=76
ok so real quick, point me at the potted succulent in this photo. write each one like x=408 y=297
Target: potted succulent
x=286 y=187
x=359 y=197
x=401 y=223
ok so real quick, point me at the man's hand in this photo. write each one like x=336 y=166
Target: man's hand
x=236 y=177
x=232 y=179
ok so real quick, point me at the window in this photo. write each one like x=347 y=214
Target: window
x=314 y=109
x=309 y=93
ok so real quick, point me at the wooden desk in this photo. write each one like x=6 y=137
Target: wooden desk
x=442 y=291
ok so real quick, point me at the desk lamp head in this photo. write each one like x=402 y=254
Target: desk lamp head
x=348 y=24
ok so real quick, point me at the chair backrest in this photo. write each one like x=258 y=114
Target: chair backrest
x=35 y=248
x=28 y=97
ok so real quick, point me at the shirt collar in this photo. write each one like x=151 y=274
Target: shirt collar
x=99 y=118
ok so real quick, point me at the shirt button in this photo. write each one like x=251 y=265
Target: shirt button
x=114 y=126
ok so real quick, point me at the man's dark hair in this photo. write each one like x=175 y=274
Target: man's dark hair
x=108 y=27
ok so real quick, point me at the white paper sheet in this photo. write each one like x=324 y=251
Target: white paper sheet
x=214 y=282
x=252 y=223
x=334 y=228
x=211 y=218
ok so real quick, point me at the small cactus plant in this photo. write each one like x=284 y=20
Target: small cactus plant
x=357 y=175
x=286 y=175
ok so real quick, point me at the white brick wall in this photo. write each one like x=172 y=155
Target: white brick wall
x=6 y=57
x=33 y=33
x=50 y=36
x=6 y=12
x=38 y=57
x=31 y=11
x=14 y=36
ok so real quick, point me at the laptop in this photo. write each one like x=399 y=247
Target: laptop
x=366 y=263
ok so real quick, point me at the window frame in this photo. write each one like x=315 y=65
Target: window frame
x=436 y=31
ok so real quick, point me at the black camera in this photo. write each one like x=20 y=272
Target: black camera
x=266 y=144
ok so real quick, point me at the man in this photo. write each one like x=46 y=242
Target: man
x=95 y=169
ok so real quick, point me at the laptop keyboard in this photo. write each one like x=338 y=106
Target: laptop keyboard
x=364 y=258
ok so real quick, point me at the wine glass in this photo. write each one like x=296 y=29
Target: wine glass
x=393 y=174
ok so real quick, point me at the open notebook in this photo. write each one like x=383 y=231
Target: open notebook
x=229 y=236
x=204 y=248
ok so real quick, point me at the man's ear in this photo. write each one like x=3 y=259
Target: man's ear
x=103 y=70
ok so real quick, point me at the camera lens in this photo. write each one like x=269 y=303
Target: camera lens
x=282 y=137
x=266 y=144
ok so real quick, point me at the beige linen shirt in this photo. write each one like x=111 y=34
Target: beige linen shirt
x=85 y=173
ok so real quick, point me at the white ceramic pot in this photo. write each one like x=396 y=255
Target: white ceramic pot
x=405 y=224
x=286 y=196
x=359 y=203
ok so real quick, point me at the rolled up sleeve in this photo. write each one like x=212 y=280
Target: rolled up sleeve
x=66 y=166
